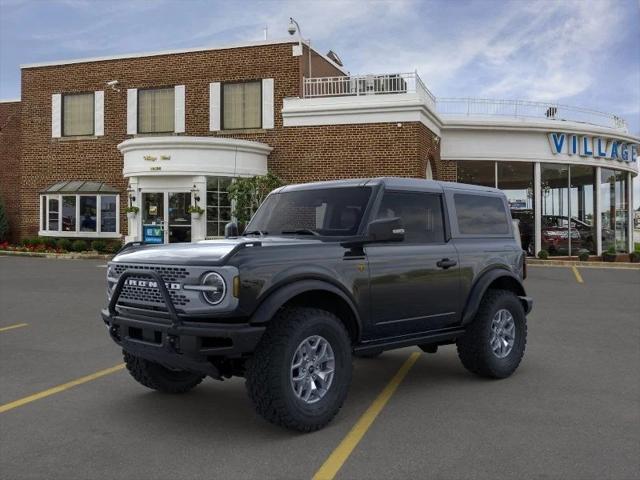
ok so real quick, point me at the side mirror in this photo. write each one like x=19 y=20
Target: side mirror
x=230 y=230
x=385 y=230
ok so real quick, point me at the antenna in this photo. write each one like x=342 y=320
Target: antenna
x=266 y=31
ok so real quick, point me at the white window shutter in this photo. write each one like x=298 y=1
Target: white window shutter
x=132 y=111
x=98 y=112
x=56 y=115
x=268 y=108
x=214 y=106
x=179 y=100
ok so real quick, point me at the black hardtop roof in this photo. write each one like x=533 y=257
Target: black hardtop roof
x=403 y=183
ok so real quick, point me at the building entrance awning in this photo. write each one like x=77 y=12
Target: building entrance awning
x=79 y=187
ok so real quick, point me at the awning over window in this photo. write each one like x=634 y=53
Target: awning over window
x=80 y=186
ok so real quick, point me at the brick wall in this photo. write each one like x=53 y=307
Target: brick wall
x=299 y=153
x=10 y=163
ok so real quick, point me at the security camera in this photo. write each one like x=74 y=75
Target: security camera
x=112 y=83
x=292 y=27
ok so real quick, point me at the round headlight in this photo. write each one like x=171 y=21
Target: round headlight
x=215 y=288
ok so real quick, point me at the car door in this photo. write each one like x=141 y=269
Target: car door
x=414 y=284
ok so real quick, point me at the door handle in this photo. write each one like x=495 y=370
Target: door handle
x=446 y=263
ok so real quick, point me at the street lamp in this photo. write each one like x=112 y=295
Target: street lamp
x=293 y=28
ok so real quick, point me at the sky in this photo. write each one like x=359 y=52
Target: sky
x=578 y=52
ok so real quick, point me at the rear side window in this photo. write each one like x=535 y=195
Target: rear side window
x=481 y=215
x=420 y=214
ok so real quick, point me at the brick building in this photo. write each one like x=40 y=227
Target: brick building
x=162 y=131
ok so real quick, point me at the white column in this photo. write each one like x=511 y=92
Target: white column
x=134 y=230
x=630 y=211
x=537 y=203
x=199 y=226
x=598 y=212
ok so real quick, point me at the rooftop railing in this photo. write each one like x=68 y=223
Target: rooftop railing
x=358 y=85
x=527 y=109
x=399 y=83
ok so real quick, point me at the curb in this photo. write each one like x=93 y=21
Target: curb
x=577 y=263
x=60 y=256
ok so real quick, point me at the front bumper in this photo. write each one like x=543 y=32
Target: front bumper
x=167 y=339
x=188 y=346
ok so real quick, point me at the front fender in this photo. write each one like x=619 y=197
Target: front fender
x=282 y=294
x=483 y=283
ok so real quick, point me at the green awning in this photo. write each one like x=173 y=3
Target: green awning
x=80 y=186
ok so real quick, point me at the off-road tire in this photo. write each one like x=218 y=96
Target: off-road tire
x=156 y=377
x=268 y=373
x=474 y=348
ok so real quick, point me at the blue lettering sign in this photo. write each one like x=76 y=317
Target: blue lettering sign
x=614 y=150
x=573 y=148
x=586 y=149
x=601 y=150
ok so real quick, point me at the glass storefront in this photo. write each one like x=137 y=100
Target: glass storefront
x=218 y=205
x=614 y=195
x=568 y=203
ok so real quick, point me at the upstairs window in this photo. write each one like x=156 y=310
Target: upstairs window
x=156 y=110
x=78 y=114
x=241 y=105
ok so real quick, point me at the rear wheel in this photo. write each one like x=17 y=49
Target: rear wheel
x=494 y=342
x=300 y=372
x=158 y=377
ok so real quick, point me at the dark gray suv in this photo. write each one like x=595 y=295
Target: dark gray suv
x=325 y=271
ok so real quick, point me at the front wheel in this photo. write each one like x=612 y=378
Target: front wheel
x=300 y=372
x=494 y=343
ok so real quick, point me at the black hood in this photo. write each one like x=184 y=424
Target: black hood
x=206 y=252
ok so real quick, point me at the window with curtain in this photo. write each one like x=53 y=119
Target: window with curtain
x=241 y=105
x=77 y=114
x=156 y=110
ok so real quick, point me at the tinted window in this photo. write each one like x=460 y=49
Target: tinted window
x=420 y=213
x=481 y=215
x=326 y=211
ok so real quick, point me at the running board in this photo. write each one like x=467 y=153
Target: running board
x=405 y=341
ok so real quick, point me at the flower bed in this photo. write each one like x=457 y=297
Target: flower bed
x=62 y=245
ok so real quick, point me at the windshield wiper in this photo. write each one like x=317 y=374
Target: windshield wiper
x=254 y=232
x=300 y=231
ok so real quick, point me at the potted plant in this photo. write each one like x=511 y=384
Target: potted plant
x=583 y=255
x=132 y=211
x=195 y=211
x=543 y=254
x=610 y=255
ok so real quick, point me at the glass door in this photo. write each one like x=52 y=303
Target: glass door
x=179 y=228
x=153 y=215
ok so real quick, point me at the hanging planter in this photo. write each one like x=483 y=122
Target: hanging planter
x=195 y=211
x=132 y=212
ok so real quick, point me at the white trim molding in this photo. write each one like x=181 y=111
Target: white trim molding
x=98 y=111
x=214 y=106
x=396 y=108
x=56 y=115
x=132 y=111
x=179 y=108
x=187 y=155
x=268 y=107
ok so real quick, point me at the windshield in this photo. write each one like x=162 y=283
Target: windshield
x=327 y=212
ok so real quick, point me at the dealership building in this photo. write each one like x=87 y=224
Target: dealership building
x=162 y=131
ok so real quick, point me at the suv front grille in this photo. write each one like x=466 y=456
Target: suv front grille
x=149 y=296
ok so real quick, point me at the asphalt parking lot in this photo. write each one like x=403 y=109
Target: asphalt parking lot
x=571 y=411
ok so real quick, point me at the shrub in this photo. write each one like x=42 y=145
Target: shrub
x=635 y=256
x=99 y=246
x=113 y=247
x=30 y=241
x=64 y=244
x=79 y=246
x=543 y=254
x=48 y=242
x=4 y=223
x=583 y=255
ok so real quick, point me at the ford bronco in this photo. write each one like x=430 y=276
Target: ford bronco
x=325 y=271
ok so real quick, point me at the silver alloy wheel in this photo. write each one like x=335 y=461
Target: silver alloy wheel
x=312 y=369
x=503 y=333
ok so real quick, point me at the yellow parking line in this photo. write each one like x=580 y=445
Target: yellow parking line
x=11 y=327
x=334 y=463
x=60 y=388
x=577 y=274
